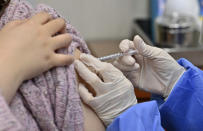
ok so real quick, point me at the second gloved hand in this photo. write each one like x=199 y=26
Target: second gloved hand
x=152 y=69
x=114 y=92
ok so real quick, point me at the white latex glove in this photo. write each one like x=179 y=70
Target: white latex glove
x=114 y=92
x=152 y=69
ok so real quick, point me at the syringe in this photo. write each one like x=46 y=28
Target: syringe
x=113 y=56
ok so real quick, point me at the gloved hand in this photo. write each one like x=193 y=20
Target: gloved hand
x=152 y=69
x=114 y=92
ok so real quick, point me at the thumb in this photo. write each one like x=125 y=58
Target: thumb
x=85 y=94
x=144 y=49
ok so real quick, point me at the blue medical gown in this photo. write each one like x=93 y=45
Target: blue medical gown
x=182 y=111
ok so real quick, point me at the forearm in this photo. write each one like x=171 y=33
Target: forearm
x=10 y=81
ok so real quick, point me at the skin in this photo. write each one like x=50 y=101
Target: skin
x=27 y=49
x=31 y=51
x=91 y=120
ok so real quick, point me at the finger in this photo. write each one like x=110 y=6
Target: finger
x=63 y=31
x=93 y=62
x=85 y=94
x=126 y=68
x=127 y=60
x=90 y=77
x=106 y=71
x=61 y=41
x=126 y=45
x=55 y=26
x=62 y=60
x=144 y=49
x=41 y=18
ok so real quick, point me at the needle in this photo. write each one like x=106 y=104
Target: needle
x=116 y=55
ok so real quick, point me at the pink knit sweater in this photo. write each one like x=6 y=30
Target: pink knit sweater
x=49 y=102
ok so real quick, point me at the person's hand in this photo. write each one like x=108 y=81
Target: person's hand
x=28 y=48
x=152 y=69
x=114 y=92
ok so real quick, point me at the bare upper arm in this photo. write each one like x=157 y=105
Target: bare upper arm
x=91 y=121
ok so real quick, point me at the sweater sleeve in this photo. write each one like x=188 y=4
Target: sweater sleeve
x=7 y=119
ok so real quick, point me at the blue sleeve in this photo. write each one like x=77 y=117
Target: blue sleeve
x=141 y=117
x=183 y=110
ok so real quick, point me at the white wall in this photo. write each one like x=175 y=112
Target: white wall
x=100 y=19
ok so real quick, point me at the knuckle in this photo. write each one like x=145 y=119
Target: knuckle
x=42 y=32
x=50 y=61
x=105 y=67
x=32 y=23
x=94 y=81
x=47 y=57
x=45 y=45
x=45 y=14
